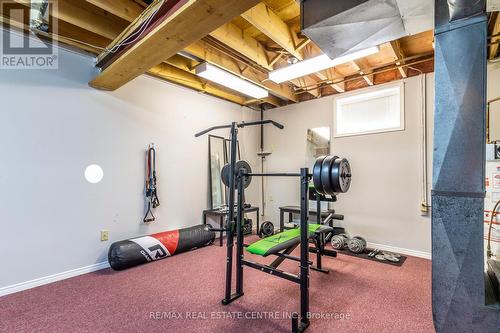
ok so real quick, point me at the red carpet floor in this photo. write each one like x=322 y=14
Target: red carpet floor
x=183 y=293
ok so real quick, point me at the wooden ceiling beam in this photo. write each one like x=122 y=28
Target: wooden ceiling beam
x=68 y=34
x=188 y=24
x=495 y=30
x=265 y=20
x=202 y=50
x=82 y=15
x=340 y=87
x=307 y=81
x=178 y=76
x=243 y=43
x=274 y=101
x=126 y=9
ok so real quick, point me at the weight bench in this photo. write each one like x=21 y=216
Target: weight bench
x=283 y=243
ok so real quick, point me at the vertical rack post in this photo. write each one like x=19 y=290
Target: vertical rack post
x=304 y=246
x=239 y=235
x=230 y=218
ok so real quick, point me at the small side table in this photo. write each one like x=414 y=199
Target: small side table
x=222 y=214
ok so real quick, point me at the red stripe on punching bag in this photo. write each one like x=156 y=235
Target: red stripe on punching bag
x=170 y=239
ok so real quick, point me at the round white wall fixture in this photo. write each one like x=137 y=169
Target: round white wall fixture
x=94 y=173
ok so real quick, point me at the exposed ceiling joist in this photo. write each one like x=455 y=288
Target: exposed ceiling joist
x=243 y=43
x=271 y=25
x=363 y=67
x=269 y=100
x=495 y=30
x=172 y=35
x=126 y=9
x=86 y=17
x=326 y=77
x=205 y=52
x=307 y=81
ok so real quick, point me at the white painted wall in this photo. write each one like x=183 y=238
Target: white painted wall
x=383 y=204
x=52 y=125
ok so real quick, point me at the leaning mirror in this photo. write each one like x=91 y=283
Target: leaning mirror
x=216 y=154
x=318 y=143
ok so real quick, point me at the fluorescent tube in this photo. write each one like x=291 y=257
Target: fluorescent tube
x=231 y=81
x=316 y=64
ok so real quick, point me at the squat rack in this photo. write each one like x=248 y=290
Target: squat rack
x=303 y=277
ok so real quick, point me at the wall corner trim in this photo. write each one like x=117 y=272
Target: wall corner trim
x=52 y=278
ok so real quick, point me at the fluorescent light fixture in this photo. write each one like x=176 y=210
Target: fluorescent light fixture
x=222 y=77
x=316 y=64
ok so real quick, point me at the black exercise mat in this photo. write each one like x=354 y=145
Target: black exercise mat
x=365 y=256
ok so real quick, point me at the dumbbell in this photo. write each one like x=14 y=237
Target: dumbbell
x=357 y=245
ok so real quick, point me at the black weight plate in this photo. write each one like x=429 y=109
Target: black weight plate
x=266 y=229
x=317 y=175
x=224 y=175
x=326 y=168
x=247 y=169
x=239 y=165
x=341 y=175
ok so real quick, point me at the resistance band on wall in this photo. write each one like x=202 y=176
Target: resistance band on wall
x=151 y=190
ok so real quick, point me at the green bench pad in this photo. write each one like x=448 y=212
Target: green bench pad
x=283 y=240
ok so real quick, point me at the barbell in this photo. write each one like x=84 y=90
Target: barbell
x=330 y=174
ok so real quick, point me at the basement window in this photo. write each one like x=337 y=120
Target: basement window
x=373 y=110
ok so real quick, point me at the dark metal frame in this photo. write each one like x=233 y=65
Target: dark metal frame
x=299 y=321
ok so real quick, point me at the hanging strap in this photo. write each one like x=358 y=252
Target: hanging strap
x=151 y=190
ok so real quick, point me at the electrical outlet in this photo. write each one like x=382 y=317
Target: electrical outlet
x=104 y=235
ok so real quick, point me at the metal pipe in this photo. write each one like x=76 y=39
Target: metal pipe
x=320 y=84
x=423 y=123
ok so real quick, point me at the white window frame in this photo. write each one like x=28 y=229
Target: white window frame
x=369 y=90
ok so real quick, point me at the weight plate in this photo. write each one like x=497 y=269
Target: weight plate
x=239 y=165
x=380 y=257
x=340 y=241
x=326 y=168
x=341 y=175
x=247 y=169
x=357 y=245
x=391 y=258
x=224 y=175
x=317 y=175
x=266 y=229
x=397 y=255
